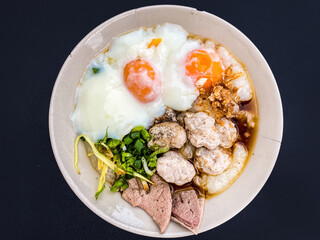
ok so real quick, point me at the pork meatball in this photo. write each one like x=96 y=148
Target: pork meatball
x=167 y=134
x=168 y=116
x=201 y=130
x=187 y=151
x=227 y=132
x=173 y=168
x=218 y=183
x=211 y=162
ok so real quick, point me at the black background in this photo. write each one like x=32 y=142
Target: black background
x=36 y=38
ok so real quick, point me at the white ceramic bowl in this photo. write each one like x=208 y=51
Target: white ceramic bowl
x=110 y=206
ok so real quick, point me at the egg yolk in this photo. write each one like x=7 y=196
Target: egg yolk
x=154 y=42
x=204 y=66
x=142 y=80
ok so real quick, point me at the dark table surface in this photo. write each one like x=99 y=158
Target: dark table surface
x=37 y=37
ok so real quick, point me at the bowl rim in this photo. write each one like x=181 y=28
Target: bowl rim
x=65 y=173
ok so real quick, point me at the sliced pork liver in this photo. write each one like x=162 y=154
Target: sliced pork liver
x=187 y=209
x=157 y=203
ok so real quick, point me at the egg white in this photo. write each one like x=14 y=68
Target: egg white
x=103 y=101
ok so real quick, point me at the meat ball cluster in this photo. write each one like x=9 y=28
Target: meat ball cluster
x=203 y=141
x=204 y=131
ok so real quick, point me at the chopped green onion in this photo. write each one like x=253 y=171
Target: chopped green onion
x=145 y=134
x=137 y=129
x=129 y=157
x=95 y=70
x=137 y=164
x=135 y=135
x=113 y=143
x=117 y=184
x=125 y=166
x=155 y=147
x=145 y=166
x=159 y=151
x=123 y=146
x=127 y=140
x=116 y=158
x=152 y=162
x=131 y=160
x=124 y=186
x=138 y=145
x=126 y=154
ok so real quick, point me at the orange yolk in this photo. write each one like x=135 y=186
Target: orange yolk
x=142 y=81
x=154 y=42
x=204 y=65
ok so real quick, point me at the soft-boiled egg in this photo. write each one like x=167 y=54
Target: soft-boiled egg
x=142 y=72
x=204 y=65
